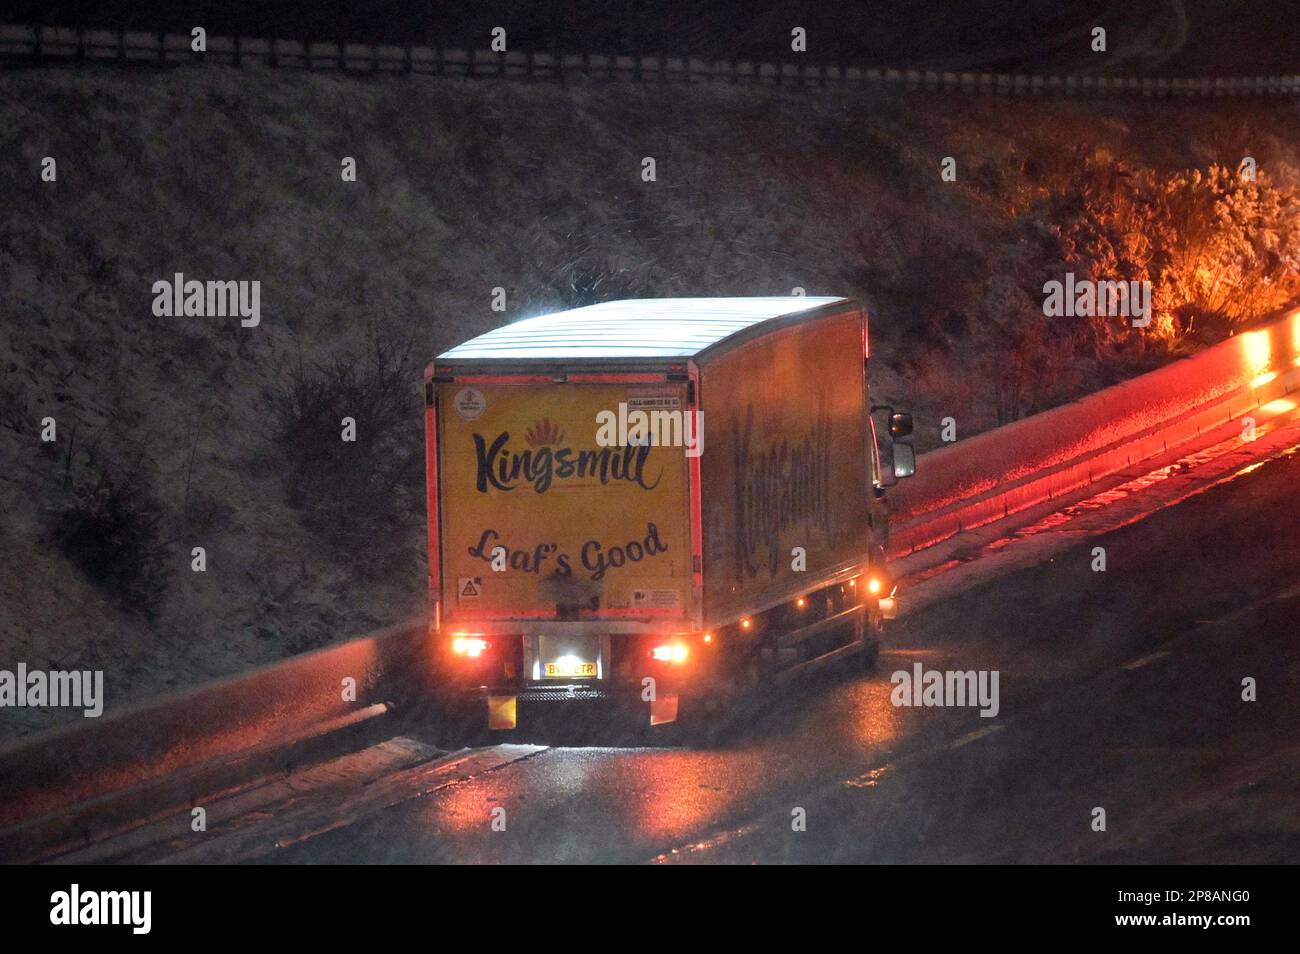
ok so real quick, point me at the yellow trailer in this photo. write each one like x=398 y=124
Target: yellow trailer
x=655 y=500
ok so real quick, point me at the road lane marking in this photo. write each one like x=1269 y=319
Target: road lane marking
x=776 y=821
x=1144 y=660
x=970 y=737
x=294 y=815
x=706 y=844
x=870 y=779
x=1281 y=595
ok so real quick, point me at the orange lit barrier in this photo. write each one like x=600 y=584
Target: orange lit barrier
x=1019 y=465
x=224 y=726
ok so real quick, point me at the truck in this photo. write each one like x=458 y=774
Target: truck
x=657 y=502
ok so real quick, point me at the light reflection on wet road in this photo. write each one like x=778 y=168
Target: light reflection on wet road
x=1195 y=587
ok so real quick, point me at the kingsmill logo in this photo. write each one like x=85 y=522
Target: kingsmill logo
x=547 y=459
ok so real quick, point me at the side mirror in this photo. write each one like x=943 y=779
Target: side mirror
x=900 y=424
x=904 y=459
x=896 y=460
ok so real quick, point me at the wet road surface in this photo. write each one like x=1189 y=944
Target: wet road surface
x=1119 y=690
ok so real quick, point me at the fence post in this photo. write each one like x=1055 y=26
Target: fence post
x=306 y=54
x=121 y=44
x=410 y=58
x=81 y=44
x=236 y=51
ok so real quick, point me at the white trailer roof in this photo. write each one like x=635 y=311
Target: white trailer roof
x=635 y=328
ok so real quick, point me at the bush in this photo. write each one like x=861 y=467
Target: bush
x=1219 y=250
x=111 y=530
x=15 y=409
x=348 y=491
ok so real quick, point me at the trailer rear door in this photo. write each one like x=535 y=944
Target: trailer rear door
x=588 y=530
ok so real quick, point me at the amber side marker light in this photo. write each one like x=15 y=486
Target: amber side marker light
x=873 y=585
x=746 y=623
x=801 y=602
x=467 y=646
x=674 y=652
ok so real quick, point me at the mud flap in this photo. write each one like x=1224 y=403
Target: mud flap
x=502 y=712
x=889 y=607
x=663 y=710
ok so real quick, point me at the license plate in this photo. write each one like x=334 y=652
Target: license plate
x=569 y=670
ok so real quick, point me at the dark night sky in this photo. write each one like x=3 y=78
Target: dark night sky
x=1185 y=37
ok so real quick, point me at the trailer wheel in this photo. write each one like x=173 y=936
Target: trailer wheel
x=870 y=653
x=712 y=720
x=870 y=631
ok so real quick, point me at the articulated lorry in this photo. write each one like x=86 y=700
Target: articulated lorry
x=656 y=502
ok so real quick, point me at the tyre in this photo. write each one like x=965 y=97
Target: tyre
x=870 y=651
x=703 y=722
x=870 y=631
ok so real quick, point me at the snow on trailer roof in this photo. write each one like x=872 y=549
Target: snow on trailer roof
x=635 y=328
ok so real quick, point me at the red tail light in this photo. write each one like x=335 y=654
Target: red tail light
x=469 y=646
x=670 y=652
